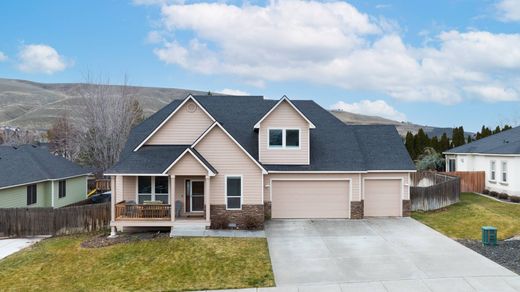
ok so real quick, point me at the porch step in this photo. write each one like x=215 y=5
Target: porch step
x=189 y=228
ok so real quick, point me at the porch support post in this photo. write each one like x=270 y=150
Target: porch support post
x=113 y=206
x=172 y=202
x=172 y=197
x=207 y=197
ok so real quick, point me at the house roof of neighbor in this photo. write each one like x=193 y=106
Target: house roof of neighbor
x=335 y=146
x=507 y=142
x=30 y=163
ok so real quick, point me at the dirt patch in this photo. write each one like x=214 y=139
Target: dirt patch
x=102 y=240
x=506 y=253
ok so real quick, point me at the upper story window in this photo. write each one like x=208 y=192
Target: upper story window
x=504 y=171
x=493 y=171
x=284 y=138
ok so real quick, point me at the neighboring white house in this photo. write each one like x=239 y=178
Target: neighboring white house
x=498 y=155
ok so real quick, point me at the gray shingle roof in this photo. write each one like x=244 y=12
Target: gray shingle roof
x=335 y=146
x=153 y=159
x=28 y=163
x=507 y=142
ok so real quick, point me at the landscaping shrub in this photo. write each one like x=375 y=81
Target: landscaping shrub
x=493 y=194
x=220 y=222
x=485 y=192
x=515 y=199
x=503 y=196
x=252 y=222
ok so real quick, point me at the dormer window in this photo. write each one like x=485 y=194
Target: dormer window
x=284 y=138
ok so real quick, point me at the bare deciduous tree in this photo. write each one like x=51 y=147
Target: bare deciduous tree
x=62 y=136
x=105 y=117
x=18 y=136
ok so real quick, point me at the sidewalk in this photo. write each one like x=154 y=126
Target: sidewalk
x=10 y=246
x=503 y=284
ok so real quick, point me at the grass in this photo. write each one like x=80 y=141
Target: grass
x=153 y=265
x=464 y=219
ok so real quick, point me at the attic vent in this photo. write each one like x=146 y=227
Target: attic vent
x=506 y=141
x=191 y=107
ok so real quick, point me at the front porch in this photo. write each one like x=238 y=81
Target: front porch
x=161 y=201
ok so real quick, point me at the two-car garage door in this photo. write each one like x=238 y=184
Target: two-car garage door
x=330 y=198
x=310 y=199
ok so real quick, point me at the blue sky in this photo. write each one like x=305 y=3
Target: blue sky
x=442 y=63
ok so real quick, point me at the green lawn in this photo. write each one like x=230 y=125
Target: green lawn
x=464 y=219
x=149 y=265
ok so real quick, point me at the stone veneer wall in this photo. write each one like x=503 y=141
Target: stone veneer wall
x=267 y=210
x=407 y=208
x=356 y=209
x=239 y=217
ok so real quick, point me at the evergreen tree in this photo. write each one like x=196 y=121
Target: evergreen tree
x=497 y=130
x=421 y=142
x=410 y=145
x=434 y=143
x=444 y=143
x=506 y=127
x=458 y=137
x=469 y=139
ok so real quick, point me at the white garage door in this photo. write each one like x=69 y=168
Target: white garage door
x=382 y=197
x=310 y=199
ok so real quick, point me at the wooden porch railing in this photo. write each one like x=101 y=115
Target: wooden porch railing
x=126 y=211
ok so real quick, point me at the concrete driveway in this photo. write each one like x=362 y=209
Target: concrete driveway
x=392 y=253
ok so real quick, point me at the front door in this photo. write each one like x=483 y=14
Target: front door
x=196 y=195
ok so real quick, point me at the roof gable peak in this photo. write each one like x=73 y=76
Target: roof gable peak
x=286 y=99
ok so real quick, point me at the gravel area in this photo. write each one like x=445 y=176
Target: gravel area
x=102 y=240
x=506 y=253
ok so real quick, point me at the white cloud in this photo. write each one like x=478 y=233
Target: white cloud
x=334 y=43
x=41 y=59
x=372 y=108
x=233 y=91
x=3 y=57
x=508 y=10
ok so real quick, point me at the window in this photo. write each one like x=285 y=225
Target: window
x=152 y=189
x=275 y=138
x=292 y=138
x=62 y=188
x=234 y=192
x=504 y=171
x=31 y=194
x=493 y=170
x=161 y=189
x=451 y=164
x=284 y=138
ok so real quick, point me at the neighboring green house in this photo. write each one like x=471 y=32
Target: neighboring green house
x=30 y=176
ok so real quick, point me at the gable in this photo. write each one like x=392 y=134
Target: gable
x=188 y=165
x=284 y=115
x=183 y=128
x=281 y=102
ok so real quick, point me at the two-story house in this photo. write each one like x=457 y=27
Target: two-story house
x=239 y=158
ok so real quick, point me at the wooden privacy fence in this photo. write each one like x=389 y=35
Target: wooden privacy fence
x=16 y=222
x=431 y=191
x=470 y=181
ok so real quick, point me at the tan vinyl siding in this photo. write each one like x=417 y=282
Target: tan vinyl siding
x=17 y=197
x=353 y=177
x=400 y=175
x=284 y=116
x=76 y=190
x=310 y=199
x=188 y=165
x=119 y=188
x=129 y=188
x=183 y=128
x=221 y=152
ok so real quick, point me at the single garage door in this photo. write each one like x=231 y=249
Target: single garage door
x=382 y=197
x=310 y=199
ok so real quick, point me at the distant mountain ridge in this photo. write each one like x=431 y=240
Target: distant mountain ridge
x=35 y=106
